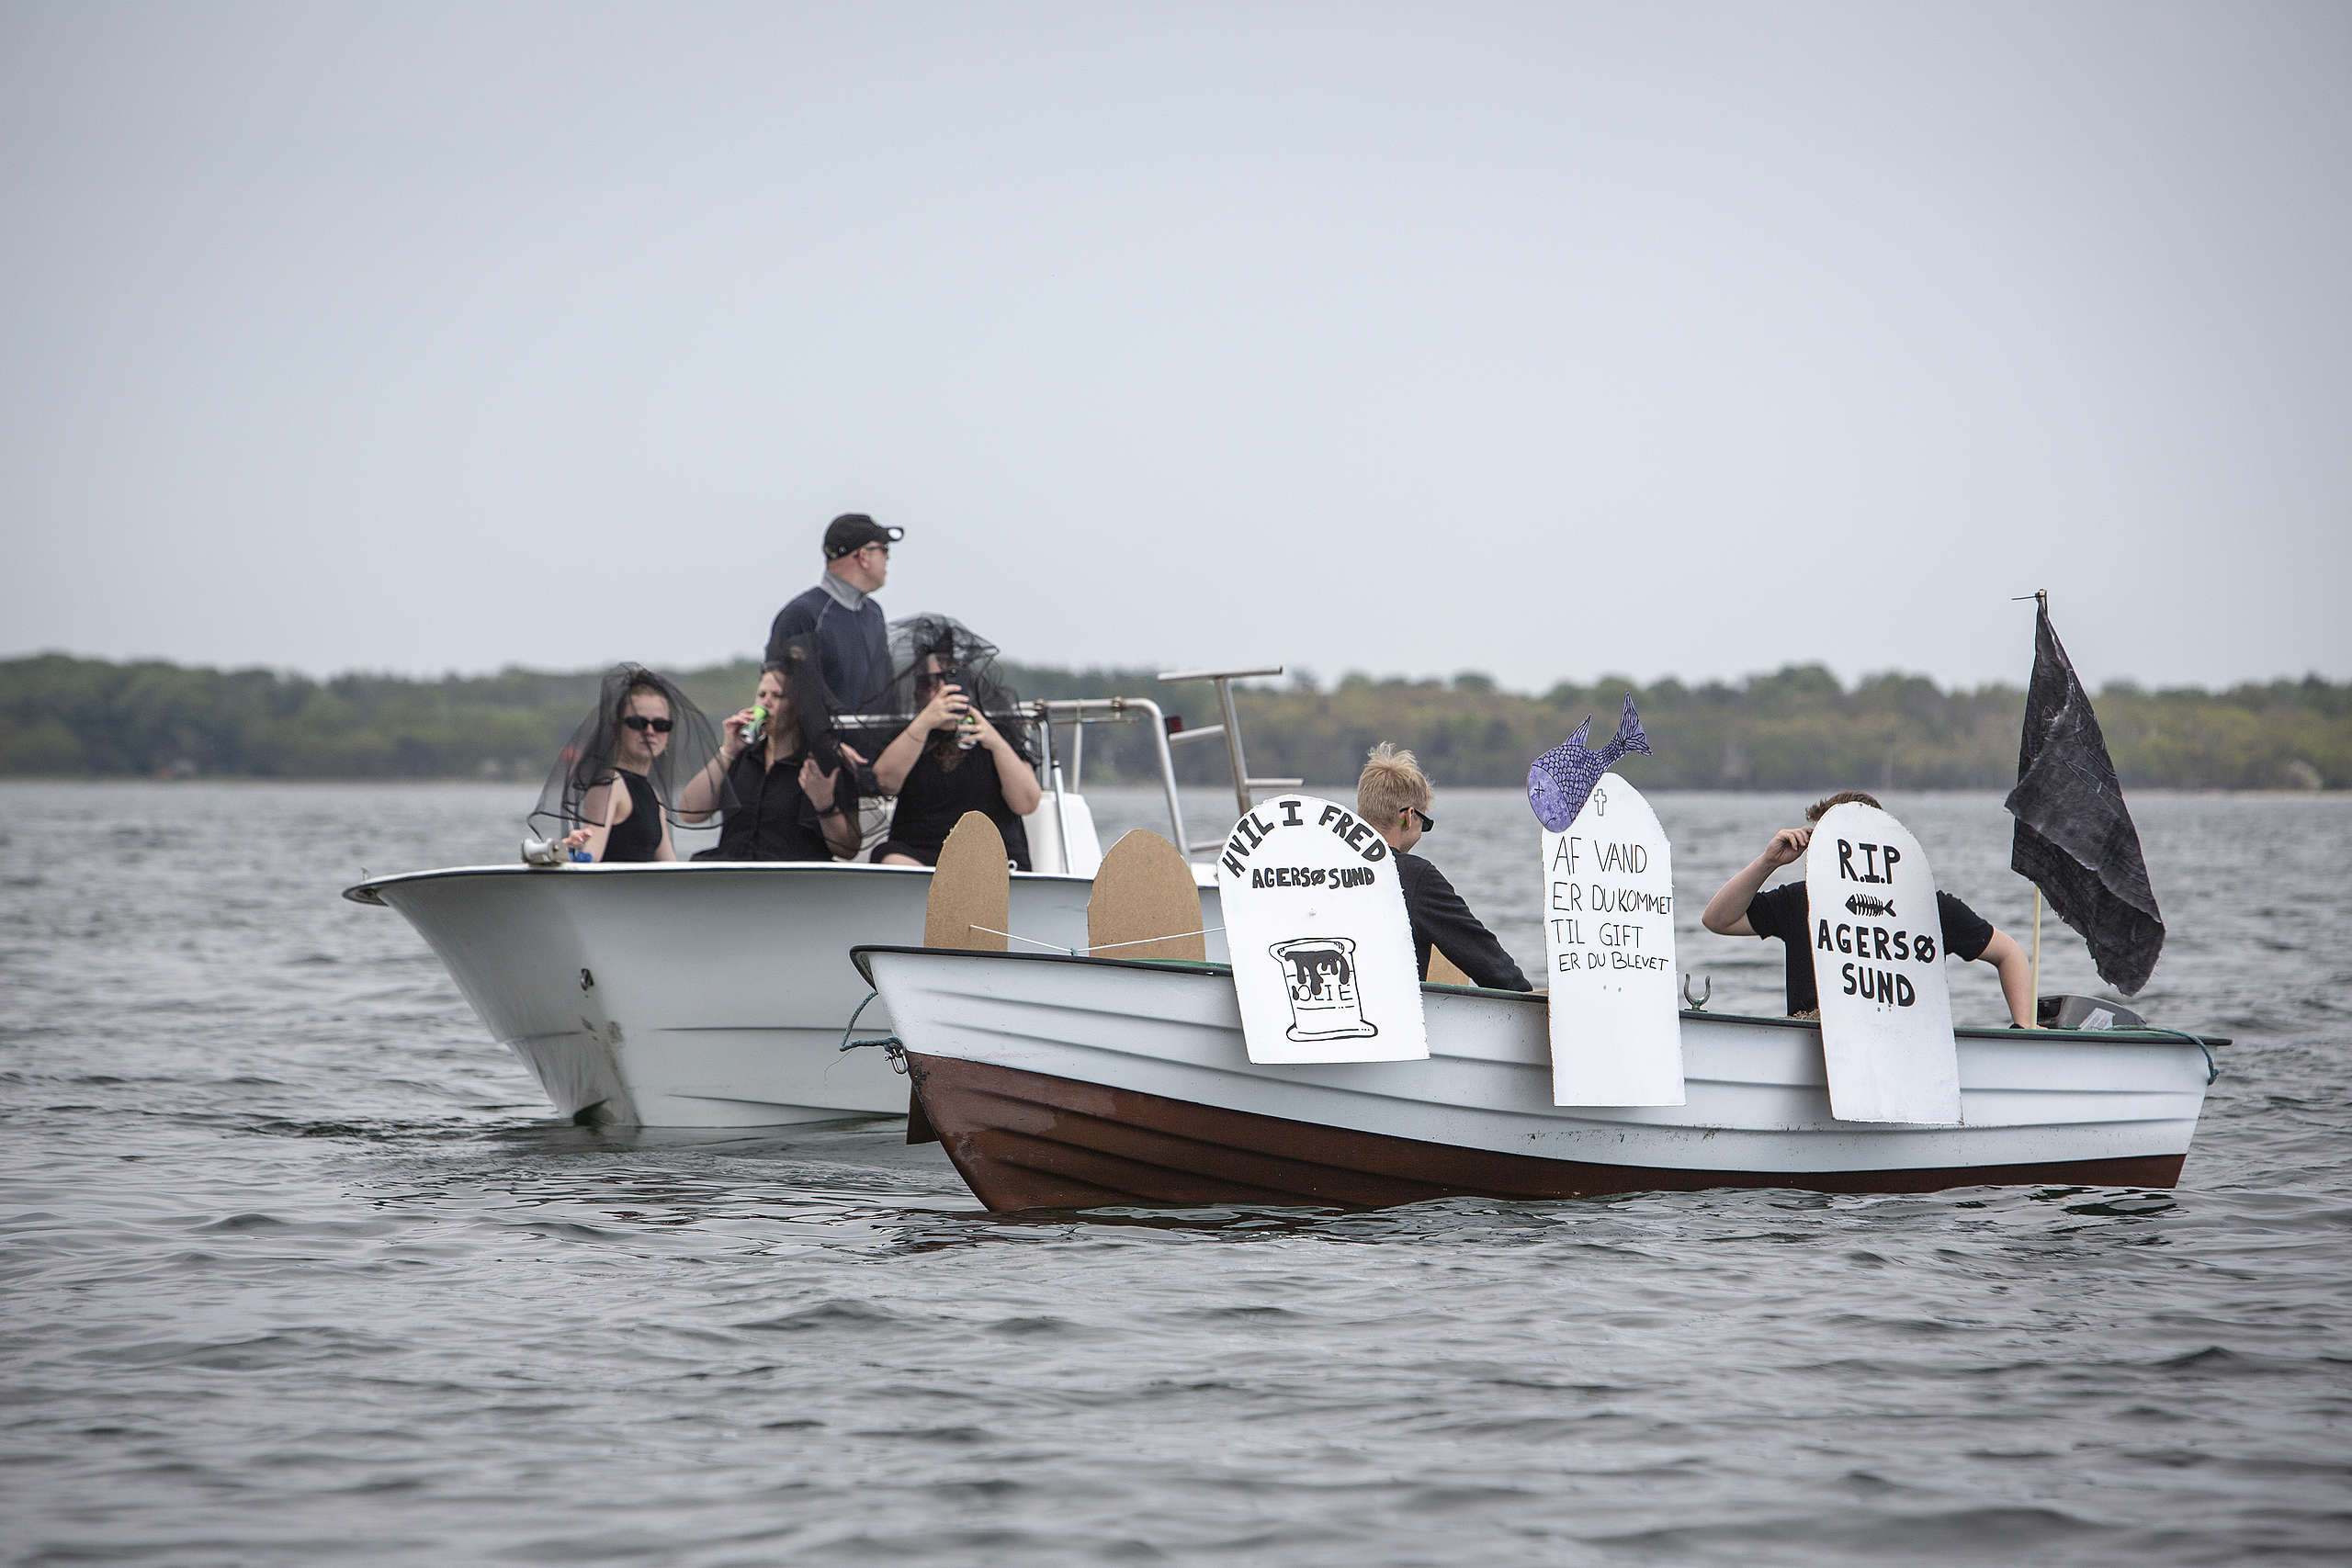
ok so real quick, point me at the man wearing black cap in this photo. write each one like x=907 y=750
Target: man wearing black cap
x=853 y=642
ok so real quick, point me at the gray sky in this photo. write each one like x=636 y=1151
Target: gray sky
x=1543 y=340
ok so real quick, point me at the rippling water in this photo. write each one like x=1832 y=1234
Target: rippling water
x=296 y=1271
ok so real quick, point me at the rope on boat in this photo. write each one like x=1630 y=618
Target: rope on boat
x=1143 y=939
x=2212 y=1070
x=1016 y=936
x=886 y=1041
x=1082 y=951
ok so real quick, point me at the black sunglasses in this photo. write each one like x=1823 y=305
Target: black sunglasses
x=1429 y=823
x=639 y=723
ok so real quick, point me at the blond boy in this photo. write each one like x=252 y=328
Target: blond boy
x=1392 y=795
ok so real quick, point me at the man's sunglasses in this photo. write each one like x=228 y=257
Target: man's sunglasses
x=1429 y=823
x=639 y=723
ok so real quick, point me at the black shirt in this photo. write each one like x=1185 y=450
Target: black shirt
x=775 y=819
x=936 y=795
x=1443 y=920
x=1785 y=912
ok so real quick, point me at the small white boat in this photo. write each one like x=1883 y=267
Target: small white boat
x=686 y=994
x=711 y=994
x=1074 y=1082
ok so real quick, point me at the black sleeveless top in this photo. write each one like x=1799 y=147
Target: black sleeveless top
x=639 y=838
x=934 y=798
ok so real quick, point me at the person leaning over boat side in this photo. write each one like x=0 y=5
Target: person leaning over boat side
x=610 y=788
x=1739 y=908
x=853 y=639
x=795 y=790
x=951 y=758
x=1392 y=795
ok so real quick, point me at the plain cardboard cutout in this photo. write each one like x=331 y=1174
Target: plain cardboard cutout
x=1145 y=903
x=971 y=890
x=1444 y=971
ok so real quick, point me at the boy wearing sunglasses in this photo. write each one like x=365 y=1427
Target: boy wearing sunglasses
x=1392 y=795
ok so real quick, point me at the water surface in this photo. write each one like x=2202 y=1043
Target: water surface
x=296 y=1268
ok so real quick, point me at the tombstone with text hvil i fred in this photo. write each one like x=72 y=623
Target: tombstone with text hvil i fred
x=1323 y=962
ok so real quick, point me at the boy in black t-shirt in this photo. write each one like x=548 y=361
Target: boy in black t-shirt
x=1743 y=907
x=1393 y=796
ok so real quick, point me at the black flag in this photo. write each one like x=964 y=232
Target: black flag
x=2075 y=840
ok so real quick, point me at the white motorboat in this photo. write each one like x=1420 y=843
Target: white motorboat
x=707 y=994
x=1072 y=1082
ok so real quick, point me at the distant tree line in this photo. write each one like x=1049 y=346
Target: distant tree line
x=1797 y=729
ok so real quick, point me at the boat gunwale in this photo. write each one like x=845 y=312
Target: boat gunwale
x=2150 y=1035
x=370 y=891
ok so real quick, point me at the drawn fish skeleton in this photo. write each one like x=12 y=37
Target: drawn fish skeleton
x=1864 y=904
x=1562 y=778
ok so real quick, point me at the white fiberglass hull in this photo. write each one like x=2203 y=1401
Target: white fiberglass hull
x=693 y=994
x=1164 y=1085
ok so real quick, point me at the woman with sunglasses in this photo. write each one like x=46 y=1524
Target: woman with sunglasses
x=614 y=786
x=951 y=758
x=1392 y=795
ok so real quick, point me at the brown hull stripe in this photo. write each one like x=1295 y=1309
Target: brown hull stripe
x=1025 y=1140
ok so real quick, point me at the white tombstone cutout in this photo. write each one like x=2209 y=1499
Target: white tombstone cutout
x=1323 y=959
x=1609 y=948
x=1878 y=959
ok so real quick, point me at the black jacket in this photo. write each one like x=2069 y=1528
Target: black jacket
x=1443 y=920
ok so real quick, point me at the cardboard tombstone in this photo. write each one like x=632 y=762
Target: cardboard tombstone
x=1145 y=903
x=1323 y=962
x=1609 y=948
x=971 y=890
x=1878 y=960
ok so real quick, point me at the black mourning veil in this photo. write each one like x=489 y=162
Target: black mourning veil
x=798 y=660
x=587 y=759
x=970 y=662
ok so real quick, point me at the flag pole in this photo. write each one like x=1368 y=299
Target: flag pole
x=2042 y=607
x=2036 y=982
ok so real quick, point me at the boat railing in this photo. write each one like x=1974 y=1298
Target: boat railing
x=1061 y=777
x=1230 y=730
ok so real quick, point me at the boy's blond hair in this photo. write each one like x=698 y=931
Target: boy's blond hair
x=1392 y=784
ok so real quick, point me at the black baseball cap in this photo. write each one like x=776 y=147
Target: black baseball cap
x=852 y=531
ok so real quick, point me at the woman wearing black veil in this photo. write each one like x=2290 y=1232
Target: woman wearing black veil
x=951 y=758
x=785 y=789
x=613 y=788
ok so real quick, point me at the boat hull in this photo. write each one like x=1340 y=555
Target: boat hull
x=1072 y=1083
x=691 y=995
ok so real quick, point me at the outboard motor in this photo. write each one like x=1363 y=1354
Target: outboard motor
x=2084 y=1012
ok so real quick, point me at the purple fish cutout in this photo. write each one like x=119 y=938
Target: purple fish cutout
x=1562 y=778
